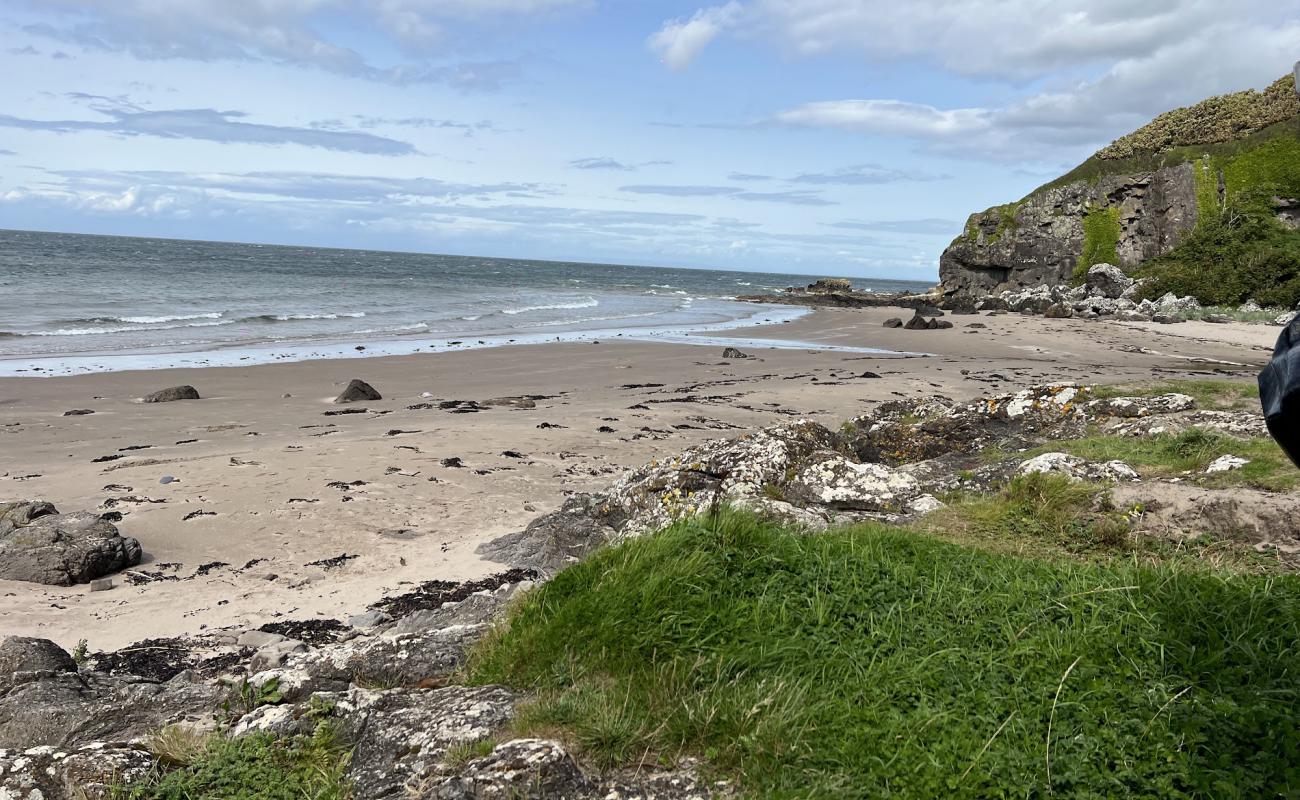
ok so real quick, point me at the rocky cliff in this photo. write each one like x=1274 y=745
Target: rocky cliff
x=1139 y=197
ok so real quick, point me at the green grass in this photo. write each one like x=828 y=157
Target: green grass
x=1208 y=394
x=1190 y=451
x=255 y=767
x=870 y=662
x=1100 y=240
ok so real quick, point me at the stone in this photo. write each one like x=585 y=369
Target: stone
x=925 y=504
x=893 y=322
x=1250 y=307
x=93 y=772
x=528 y=769
x=1077 y=468
x=841 y=484
x=1285 y=318
x=20 y=654
x=1132 y=316
x=69 y=709
x=101 y=584
x=732 y=352
x=358 y=391
x=78 y=412
x=369 y=619
x=273 y=655
x=1107 y=280
x=921 y=323
x=1217 y=319
x=172 y=394
x=1226 y=463
x=60 y=549
x=1169 y=303
x=1167 y=319
x=1058 y=311
x=1130 y=407
x=258 y=639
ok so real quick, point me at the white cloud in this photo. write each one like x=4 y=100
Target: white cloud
x=1015 y=39
x=284 y=31
x=679 y=41
x=1079 y=117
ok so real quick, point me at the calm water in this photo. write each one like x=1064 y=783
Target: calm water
x=71 y=298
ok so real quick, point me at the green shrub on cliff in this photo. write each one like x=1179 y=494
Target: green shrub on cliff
x=873 y=662
x=1100 y=239
x=1226 y=261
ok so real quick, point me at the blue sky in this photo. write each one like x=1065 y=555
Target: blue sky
x=846 y=137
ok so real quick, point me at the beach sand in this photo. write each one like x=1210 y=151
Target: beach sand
x=258 y=463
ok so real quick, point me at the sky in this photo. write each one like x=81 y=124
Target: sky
x=843 y=137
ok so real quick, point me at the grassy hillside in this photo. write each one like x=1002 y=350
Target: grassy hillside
x=1245 y=149
x=874 y=662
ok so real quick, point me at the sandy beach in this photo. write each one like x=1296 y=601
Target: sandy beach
x=283 y=509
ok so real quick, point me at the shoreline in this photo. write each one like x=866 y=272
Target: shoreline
x=262 y=466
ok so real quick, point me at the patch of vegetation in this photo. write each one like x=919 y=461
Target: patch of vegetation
x=1191 y=451
x=255 y=767
x=1218 y=119
x=1007 y=221
x=868 y=661
x=1036 y=514
x=461 y=753
x=1100 y=240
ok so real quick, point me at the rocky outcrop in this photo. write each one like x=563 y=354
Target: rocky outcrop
x=40 y=545
x=1041 y=240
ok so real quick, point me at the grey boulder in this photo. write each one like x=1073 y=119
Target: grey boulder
x=172 y=394
x=1058 y=311
x=732 y=352
x=1107 y=280
x=358 y=391
x=40 y=545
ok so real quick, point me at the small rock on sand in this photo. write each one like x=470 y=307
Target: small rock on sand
x=358 y=391
x=172 y=394
x=78 y=412
x=732 y=352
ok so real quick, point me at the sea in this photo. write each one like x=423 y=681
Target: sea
x=78 y=303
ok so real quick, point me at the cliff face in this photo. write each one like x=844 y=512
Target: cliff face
x=1120 y=219
x=1138 y=198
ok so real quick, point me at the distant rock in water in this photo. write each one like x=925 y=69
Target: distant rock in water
x=358 y=391
x=173 y=394
x=828 y=285
x=40 y=545
x=732 y=352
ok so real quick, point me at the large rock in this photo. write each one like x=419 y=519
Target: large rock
x=64 y=708
x=172 y=394
x=1038 y=241
x=358 y=391
x=41 y=546
x=1058 y=311
x=24 y=654
x=1107 y=280
x=92 y=772
x=527 y=769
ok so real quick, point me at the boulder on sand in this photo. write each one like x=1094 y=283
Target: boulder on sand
x=40 y=545
x=172 y=394
x=1059 y=311
x=358 y=391
x=732 y=352
x=893 y=322
x=1107 y=280
x=918 y=322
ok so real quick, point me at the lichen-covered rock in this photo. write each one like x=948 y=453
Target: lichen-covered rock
x=1076 y=468
x=1129 y=407
x=839 y=483
x=401 y=735
x=521 y=769
x=23 y=654
x=398 y=659
x=68 y=709
x=1226 y=463
x=1058 y=311
x=42 y=546
x=87 y=773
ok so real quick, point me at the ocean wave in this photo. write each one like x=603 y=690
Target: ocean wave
x=590 y=302
x=122 y=329
x=419 y=326
x=139 y=320
x=298 y=317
